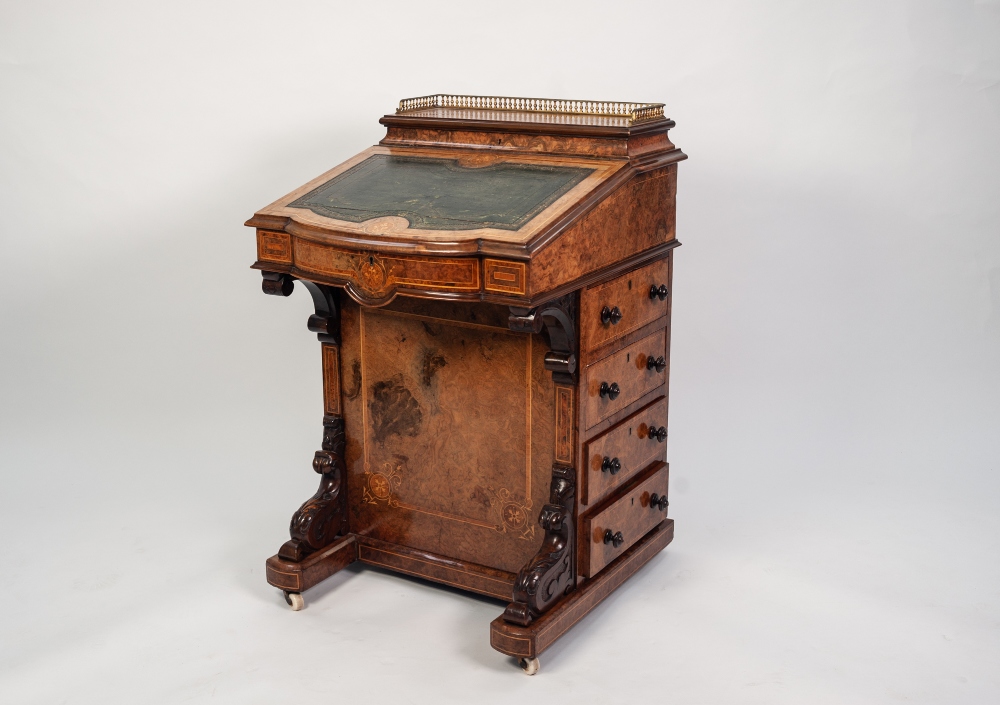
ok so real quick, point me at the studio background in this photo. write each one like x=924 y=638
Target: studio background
x=835 y=389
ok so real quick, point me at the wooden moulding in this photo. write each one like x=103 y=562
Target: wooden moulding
x=314 y=569
x=530 y=641
x=440 y=569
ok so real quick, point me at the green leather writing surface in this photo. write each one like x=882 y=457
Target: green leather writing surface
x=439 y=194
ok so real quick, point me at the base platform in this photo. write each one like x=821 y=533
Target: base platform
x=297 y=577
x=528 y=642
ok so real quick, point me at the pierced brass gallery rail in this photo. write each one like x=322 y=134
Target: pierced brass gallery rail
x=635 y=112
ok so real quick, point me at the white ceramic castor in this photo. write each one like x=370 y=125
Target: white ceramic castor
x=530 y=665
x=295 y=600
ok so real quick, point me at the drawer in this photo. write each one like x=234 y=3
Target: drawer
x=617 y=456
x=628 y=302
x=625 y=377
x=624 y=521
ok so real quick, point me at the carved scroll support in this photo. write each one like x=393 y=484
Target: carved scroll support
x=322 y=517
x=558 y=319
x=326 y=321
x=551 y=574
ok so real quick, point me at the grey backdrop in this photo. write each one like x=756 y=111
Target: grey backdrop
x=835 y=401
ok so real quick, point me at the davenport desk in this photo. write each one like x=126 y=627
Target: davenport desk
x=492 y=287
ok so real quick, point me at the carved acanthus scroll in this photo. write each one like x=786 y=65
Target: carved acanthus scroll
x=551 y=574
x=321 y=518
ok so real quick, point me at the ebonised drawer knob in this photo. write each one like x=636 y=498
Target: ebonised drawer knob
x=611 y=391
x=611 y=315
x=658 y=502
x=657 y=434
x=615 y=539
x=612 y=465
x=658 y=293
x=656 y=363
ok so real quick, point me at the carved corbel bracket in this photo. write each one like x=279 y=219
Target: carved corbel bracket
x=322 y=517
x=551 y=574
x=558 y=319
x=326 y=321
x=278 y=283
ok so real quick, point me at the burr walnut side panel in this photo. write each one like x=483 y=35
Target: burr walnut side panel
x=450 y=434
x=636 y=217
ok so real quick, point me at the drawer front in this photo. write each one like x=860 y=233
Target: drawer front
x=628 y=295
x=624 y=521
x=617 y=456
x=626 y=371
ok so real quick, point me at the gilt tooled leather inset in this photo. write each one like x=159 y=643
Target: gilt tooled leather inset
x=440 y=194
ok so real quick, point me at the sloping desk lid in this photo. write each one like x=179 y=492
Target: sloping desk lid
x=411 y=197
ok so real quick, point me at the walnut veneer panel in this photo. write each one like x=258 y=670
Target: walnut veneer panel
x=627 y=369
x=637 y=216
x=630 y=514
x=628 y=293
x=630 y=444
x=451 y=436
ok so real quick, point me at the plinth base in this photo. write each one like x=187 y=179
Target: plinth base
x=527 y=642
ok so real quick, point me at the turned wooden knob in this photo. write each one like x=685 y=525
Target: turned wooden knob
x=657 y=434
x=658 y=502
x=611 y=315
x=658 y=292
x=612 y=465
x=615 y=539
x=611 y=391
x=656 y=363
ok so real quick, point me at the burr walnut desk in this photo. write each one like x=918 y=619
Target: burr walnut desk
x=492 y=287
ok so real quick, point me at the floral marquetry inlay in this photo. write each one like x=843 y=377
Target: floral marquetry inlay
x=514 y=516
x=380 y=484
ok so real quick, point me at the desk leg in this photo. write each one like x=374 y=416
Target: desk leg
x=551 y=573
x=296 y=576
x=314 y=551
x=527 y=642
x=322 y=517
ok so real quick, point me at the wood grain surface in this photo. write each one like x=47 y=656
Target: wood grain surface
x=630 y=444
x=628 y=513
x=453 y=435
x=331 y=379
x=639 y=215
x=627 y=369
x=441 y=569
x=629 y=293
